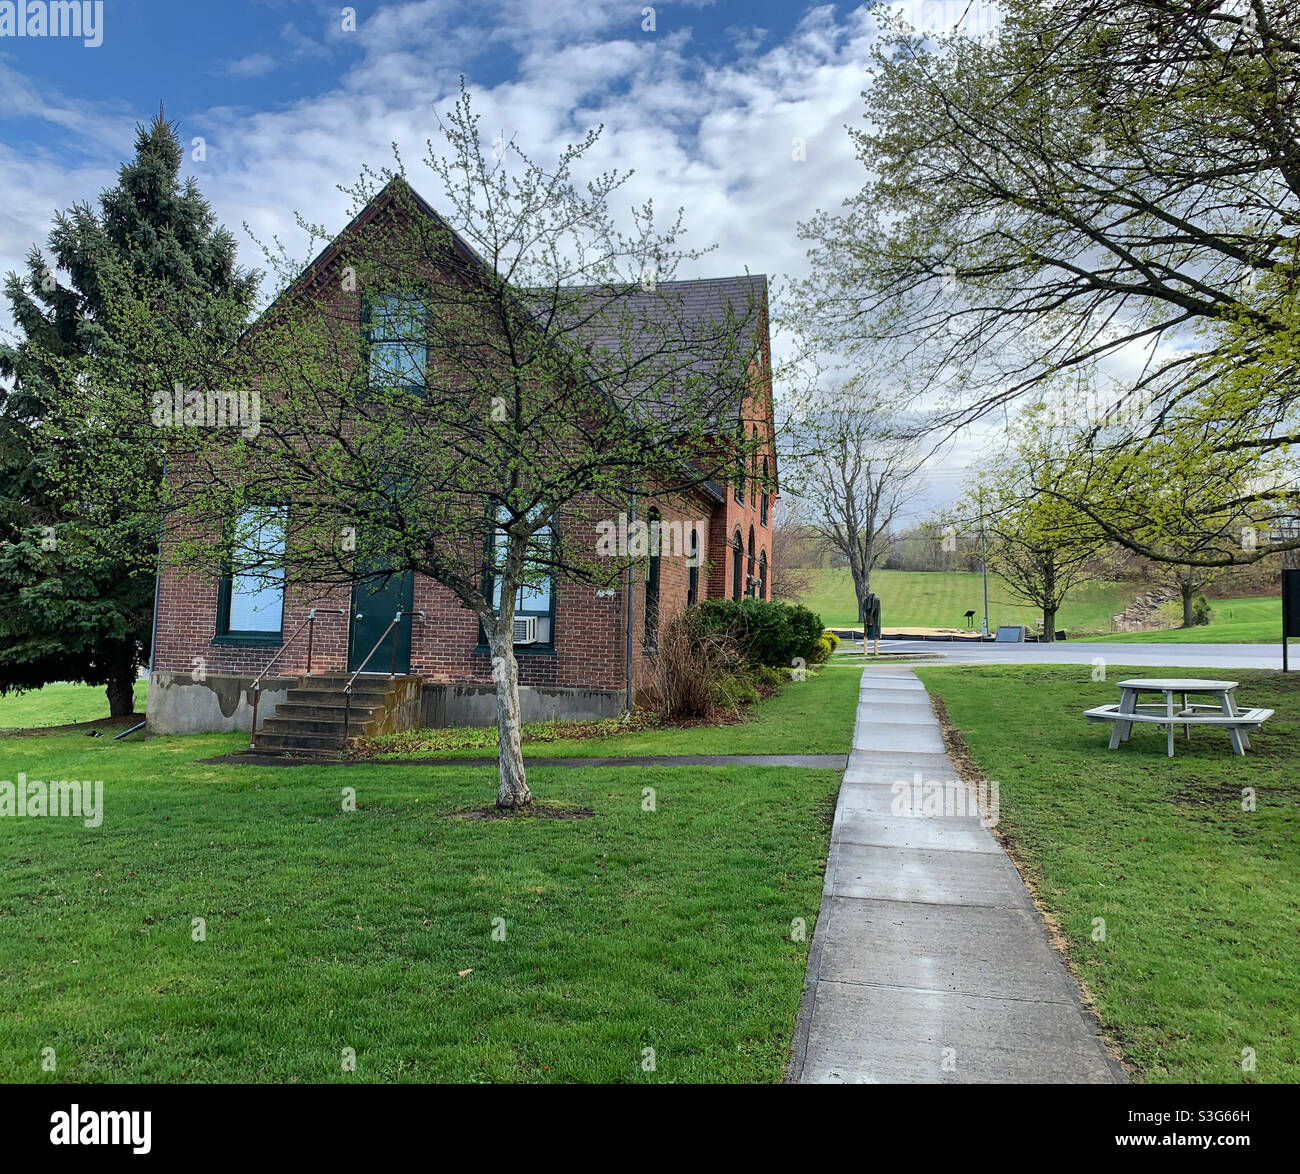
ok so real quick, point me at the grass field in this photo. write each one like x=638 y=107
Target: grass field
x=1198 y=896
x=665 y=929
x=940 y=599
x=58 y=705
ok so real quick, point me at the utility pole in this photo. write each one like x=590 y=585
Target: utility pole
x=984 y=571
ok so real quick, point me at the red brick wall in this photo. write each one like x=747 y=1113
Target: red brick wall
x=590 y=627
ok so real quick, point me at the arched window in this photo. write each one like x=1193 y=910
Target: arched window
x=737 y=574
x=751 y=568
x=740 y=463
x=693 y=569
x=762 y=575
x=753 y=471
x=652 y=584
x=764 y=499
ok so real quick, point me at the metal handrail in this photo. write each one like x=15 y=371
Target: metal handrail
x=310 y=624
x=392 y=668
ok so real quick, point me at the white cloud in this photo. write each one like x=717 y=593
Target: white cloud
x=713 y=135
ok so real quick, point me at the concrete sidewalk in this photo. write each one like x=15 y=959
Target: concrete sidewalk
x=929 y=963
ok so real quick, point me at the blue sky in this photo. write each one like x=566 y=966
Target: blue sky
x=289 y=103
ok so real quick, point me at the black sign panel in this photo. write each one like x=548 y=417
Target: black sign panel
x=1290 y=603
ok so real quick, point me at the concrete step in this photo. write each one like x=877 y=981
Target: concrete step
x=325 y=712
x=293 y=725
x=296 y=742
x=374 y=698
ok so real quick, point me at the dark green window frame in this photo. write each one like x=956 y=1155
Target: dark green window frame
x=369 y=341
x=543 y=648
x=650 y=640
x=224 y=634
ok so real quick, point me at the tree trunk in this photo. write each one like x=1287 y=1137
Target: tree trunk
x=512 y=790
x=1049 y=626
x=1188 y=590
x=121 y=693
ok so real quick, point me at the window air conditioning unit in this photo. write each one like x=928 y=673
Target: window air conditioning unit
x=525 y=629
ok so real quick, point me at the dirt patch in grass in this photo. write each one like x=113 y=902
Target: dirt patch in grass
x=534 y=810
x=101 y=725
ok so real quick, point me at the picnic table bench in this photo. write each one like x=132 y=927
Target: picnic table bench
x=1222 y=713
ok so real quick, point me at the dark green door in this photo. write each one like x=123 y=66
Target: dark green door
x=374 y=603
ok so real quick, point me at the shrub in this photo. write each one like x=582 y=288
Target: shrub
x=1200 y=611
x=732 y=691
x=834 y=639
x=690 y=662
x=821 y=651
x=764 y=632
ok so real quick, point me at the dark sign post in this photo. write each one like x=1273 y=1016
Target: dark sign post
x=1290 y=610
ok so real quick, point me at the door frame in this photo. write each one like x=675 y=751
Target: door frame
x=380 y=663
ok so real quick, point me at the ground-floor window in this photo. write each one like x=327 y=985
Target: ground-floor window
x=536 y=595
x=250 y=597
x=762 y=575
x=693 y=570
x=652 y=586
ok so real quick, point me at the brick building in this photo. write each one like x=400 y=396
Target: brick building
x=582 y=651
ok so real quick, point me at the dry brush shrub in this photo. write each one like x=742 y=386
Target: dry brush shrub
x=695 y=670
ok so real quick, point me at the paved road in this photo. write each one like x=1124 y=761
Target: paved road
x=1236 y=656
x=929 y=963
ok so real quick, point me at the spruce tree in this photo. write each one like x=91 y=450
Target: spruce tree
x=76 y=591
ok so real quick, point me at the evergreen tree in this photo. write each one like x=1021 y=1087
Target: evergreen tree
x=76 y=590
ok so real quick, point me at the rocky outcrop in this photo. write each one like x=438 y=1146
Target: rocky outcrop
x=1139 y=614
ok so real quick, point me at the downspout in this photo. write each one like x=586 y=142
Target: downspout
x=157 y=583
x=631 y=587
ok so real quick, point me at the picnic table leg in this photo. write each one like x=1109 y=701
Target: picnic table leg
x=1169 y=727
x=1187 y=728
x=1239 y=738
x=1119 y=732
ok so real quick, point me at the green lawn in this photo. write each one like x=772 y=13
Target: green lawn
x=1199 y=897
x=326 y=929
x=940 y=599
x=807 y=717
x=58 y=705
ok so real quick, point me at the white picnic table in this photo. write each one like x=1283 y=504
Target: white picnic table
x=1222 y=712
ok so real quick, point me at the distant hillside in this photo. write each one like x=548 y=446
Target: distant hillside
x=939 y=599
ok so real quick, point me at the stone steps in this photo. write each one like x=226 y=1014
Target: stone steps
x=309 y=723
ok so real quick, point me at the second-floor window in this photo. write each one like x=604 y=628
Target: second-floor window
x=397 y=341
x=763 y=497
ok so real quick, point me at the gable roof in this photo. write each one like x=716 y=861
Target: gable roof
x=700 y=309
